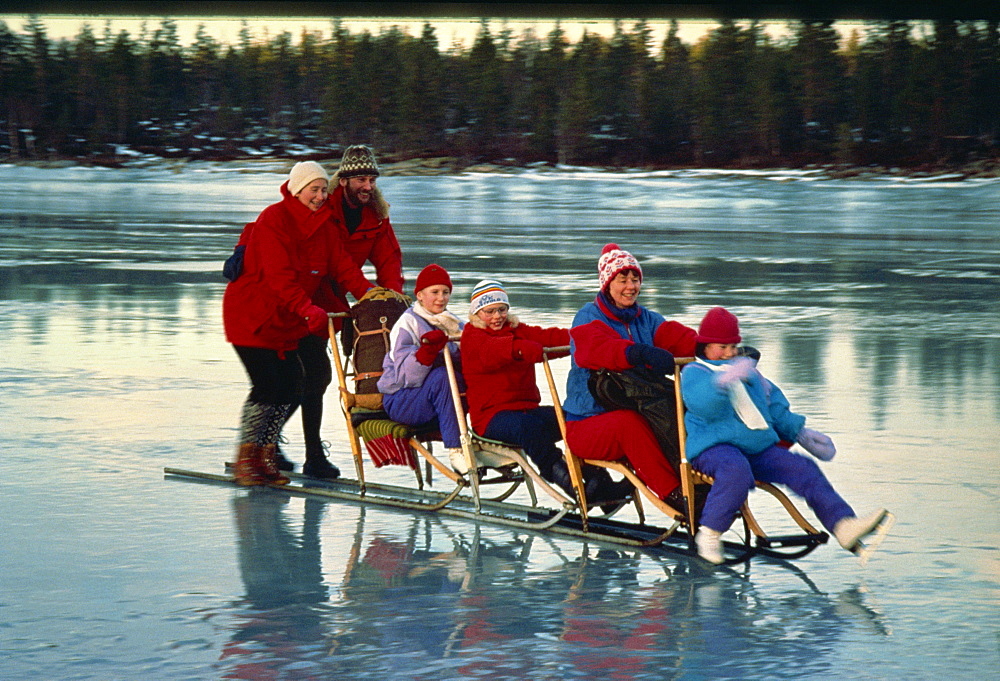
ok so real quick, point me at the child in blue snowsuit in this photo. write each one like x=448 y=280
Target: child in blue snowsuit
x=735 y=419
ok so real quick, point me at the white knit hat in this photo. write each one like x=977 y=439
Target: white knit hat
x=303 y=173
x=487 y=292
x=612 y=261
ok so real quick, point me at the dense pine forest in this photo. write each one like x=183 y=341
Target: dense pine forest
x=886 y=96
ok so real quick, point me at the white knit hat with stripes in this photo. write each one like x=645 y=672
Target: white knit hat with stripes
x=487 y=292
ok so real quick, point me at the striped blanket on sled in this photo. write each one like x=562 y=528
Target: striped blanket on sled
x=388 y=442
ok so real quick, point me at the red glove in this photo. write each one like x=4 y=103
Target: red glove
x=430 y=345
x=316 y=320
x=527 y=350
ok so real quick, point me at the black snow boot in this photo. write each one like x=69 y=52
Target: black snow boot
x=603 y=491
x=317 y=465
x=284 y=464
x=559 y=475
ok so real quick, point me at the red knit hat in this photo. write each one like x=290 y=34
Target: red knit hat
x=719 y=326
x=430 y=276
x=612 y=261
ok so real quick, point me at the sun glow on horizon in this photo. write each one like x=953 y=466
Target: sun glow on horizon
x=450 y=31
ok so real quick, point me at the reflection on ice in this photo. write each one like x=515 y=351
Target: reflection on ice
x=465 y=599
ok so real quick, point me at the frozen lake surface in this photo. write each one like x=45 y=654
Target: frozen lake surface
x=875 y=304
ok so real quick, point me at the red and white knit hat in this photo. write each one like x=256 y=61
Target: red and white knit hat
x=612 y=261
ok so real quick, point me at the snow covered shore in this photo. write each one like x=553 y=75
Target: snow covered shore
x=447 y=165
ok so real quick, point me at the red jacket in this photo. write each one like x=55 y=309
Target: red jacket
x=290 y=249
x=373 y=241
x=495 y=380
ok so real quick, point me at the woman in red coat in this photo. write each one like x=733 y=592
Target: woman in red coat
x=499 y=354
x=269 y=308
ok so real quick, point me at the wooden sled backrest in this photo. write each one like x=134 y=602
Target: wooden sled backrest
x=572 y=462
x=686 y=472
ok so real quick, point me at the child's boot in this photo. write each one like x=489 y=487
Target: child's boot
x=709 y=543
x=457 y=458
x=850 y=531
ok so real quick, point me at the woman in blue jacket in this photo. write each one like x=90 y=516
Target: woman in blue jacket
x=735 y=419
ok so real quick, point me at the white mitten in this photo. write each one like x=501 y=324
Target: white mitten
x=817 y=444
x=737 y=370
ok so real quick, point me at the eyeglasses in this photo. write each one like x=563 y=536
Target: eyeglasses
x=491 y=312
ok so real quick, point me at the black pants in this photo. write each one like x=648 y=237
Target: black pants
x=276 y=381
x=317 y=373
x=273 y=379
x=316 y=368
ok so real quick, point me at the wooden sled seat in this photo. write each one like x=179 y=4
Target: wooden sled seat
x=683 y=507
x=508 y=460
x=391 y=443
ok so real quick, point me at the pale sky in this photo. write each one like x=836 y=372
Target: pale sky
x=449 y=31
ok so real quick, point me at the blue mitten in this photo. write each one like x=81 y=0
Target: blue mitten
x=657 y=359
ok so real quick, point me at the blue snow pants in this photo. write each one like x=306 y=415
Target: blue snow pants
x=432 y=399
x=735 y=472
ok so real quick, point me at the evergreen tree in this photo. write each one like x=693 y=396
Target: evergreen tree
x=422 y=106
x=818 y=78
x=546 y=93
x=122 y=92
x=579 y=114
x=723 y=99
x=86 y=108
x=671 y=101
x=35 y=112
x=486 y=104
x=204 y=65
x=15 y=76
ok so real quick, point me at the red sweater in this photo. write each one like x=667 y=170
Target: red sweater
x=496 y=378
x=290 y=249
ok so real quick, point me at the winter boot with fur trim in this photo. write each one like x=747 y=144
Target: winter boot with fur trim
x=850 y=531
x=709 y=544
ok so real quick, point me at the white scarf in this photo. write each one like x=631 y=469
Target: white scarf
x=444 y=320
x=746 y=410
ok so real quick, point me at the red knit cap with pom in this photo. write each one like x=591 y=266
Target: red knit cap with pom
x=612 y=261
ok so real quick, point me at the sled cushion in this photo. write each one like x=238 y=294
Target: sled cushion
x=388 y=442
